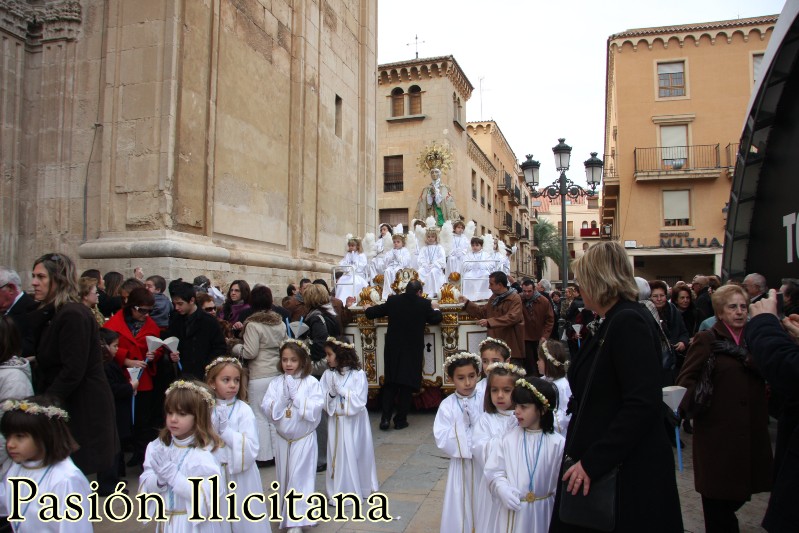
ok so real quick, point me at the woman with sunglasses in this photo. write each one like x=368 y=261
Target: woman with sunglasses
x=134 y=325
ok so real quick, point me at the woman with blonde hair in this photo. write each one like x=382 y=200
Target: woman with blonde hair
x=617 y=405
x=731 y=431
x=87 y=291
x=70 y=362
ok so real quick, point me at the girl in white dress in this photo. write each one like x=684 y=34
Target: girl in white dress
x=553 y=362
x=183 y=450
x=234 y=421
x=460 y=247
x=491 y=351
x=497 y=420
x=396 y=259
x=293 y=403
x=432 y=261
x=39 y=443
x=355 y=278
x=523 y=468
x=477 y=265
x=378 y=263
x=457 y=415
x=350 y=453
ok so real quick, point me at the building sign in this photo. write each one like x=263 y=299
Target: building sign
x=681 y=239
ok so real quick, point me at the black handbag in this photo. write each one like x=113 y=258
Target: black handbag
x=598 y=509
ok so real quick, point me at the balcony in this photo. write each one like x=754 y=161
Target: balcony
x=589 y=233
x=515 y=198
x=504 y=222
x=525 y=239
x=524 y=207
x=518 y=232
x=505 y=186
x=701 y=161
x=732 y=158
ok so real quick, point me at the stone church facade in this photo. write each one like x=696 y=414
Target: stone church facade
x=234 y=138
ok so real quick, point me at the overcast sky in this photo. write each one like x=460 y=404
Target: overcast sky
x=541 y=65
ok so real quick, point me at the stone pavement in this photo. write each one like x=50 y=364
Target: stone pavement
x=412 y=472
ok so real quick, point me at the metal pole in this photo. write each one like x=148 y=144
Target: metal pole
x=564 y=269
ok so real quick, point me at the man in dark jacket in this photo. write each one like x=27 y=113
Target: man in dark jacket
x=17 y=305
x=199 y=334
x=404 y=350
x=704 y=306
x=777 y=357
x=538 y=322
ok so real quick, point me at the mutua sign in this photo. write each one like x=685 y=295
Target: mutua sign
x=682 y=239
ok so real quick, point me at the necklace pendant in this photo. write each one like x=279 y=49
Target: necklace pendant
x=288 y=412
x=529 y=497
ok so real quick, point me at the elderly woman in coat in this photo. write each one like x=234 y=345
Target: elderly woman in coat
x=732 y=449
x=619 y=420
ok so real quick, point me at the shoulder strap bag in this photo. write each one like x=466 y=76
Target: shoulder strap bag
x=597 y=510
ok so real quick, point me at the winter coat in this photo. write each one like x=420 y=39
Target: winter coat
x=621 y=422
x=777 y=357
x=539 y=318
x=119 y=380
x=403 y=352
x=732 y=434
x=135 y=348
x=20 y=314
x=200 y=342
x=505 y=321
x=260 y=347
x=70 y=368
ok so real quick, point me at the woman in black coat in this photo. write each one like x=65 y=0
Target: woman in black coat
x=620 y=421
x=70 y=365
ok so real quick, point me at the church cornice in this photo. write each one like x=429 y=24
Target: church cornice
x=59 y=19
x=493 y=128
x=423 y=69
x=480 y=158
x=725 y=29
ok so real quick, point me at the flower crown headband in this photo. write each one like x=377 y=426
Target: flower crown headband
x=529 y=386
x=519 y=371
x=220 y=360
x=551 y=359
x=461 y=355
x=296 y=341
x=188 y=385
x=340 y=343
x=31 y=408
x=495 y=341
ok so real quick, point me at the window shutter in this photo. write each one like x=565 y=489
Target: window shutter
x=676 y=205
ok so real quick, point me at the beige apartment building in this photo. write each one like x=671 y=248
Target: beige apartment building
x=235 y=139
x=422 y=101
x=676 y=99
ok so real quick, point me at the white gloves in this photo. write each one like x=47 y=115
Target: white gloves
x=331 y=382
x=166 y=471
x=220 y=418
x=509 y=496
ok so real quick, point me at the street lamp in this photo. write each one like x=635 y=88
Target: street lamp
x=563 y=187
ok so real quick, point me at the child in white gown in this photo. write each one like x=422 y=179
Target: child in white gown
x=477 y=265
x=553 y=362
x=356 y=274
x=523 y=469
x=396 y=259
x=452 y=429
x=234 y=421
x=293 y=403
x=432 y=261
x=350 y=452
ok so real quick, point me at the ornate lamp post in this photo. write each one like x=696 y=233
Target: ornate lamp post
x=563 y=187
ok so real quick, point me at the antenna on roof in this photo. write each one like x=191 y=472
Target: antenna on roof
x=416 y=43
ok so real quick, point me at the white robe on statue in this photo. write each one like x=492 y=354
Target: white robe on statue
x=237 y=461
x=474 y=279
x=295 y=452
x=396 y=260
x=490 y=428
x=355 y=278
x=190 y=462
x=511 y=462
x=460 y=247
x=351 y=464
x=61 y=478
x=452 y=429
x=432 y=262
x=564 y=393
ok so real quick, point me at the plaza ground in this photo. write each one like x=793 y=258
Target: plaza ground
x=412 y=472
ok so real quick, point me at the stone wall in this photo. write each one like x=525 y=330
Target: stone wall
x=229 y=137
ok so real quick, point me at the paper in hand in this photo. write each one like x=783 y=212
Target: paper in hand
x=153 y=343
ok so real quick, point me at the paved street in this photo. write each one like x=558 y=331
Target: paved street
x=412 y=473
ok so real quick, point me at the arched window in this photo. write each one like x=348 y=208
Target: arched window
x=415 y=100
x=585 y=224
x=397 y=102
x=593 y=223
